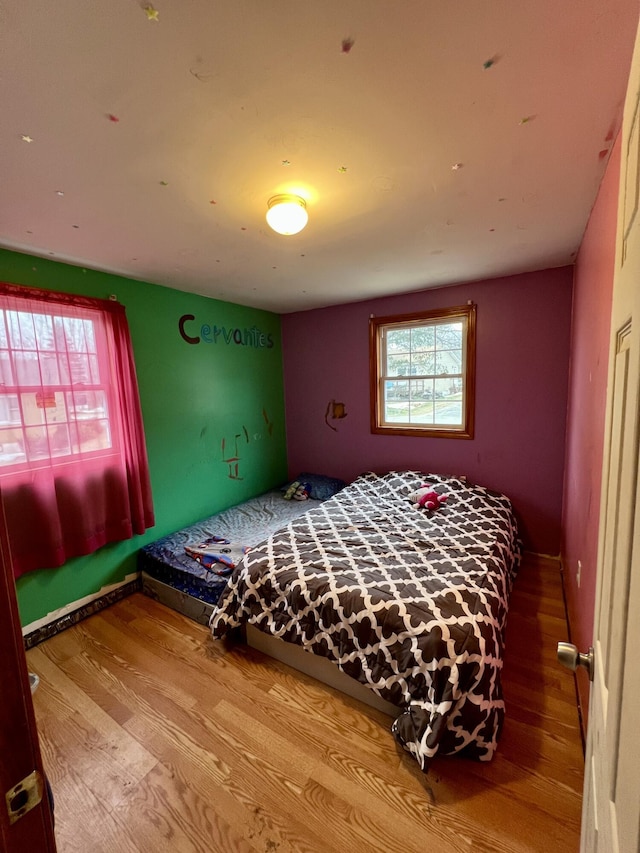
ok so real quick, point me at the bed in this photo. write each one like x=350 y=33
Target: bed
x=173 y=577
x=410 y=603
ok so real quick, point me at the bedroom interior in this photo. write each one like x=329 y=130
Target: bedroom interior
x=141 y=172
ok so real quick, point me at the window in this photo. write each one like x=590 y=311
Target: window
x=73 y=465
x=422 y=371
x=54 y=387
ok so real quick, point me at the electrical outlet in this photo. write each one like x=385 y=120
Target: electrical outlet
x=578 y=573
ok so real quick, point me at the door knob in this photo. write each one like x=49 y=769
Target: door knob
x=569 y=656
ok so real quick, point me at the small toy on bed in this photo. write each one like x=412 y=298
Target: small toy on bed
x=217 y=554
x=297 y=491
x=427 y=498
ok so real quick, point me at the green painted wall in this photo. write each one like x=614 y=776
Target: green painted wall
x=193 y=397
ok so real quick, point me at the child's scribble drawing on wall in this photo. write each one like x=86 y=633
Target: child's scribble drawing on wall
x=231 y=449
x=233 y=461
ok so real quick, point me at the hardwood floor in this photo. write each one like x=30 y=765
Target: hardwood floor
x=157 y=738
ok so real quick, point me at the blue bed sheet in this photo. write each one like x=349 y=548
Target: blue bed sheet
x=248 y=524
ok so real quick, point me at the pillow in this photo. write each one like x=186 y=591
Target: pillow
x=320 y=487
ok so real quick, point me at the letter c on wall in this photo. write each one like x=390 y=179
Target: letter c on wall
x=184 y=335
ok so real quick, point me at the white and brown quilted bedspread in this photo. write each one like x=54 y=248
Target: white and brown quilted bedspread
x=412 y=603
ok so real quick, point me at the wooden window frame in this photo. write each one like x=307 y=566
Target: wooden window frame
x=377 y=378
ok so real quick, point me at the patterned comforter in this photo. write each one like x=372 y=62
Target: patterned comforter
x=412 y=603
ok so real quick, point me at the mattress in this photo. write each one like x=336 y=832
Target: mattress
x=410 y=602
x=248 y=523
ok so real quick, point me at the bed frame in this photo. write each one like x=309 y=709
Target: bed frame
x=297 y=658
x=316 y=667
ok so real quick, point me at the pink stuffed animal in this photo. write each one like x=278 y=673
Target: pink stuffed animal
x=427 y=498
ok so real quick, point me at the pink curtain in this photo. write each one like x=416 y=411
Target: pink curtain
x=73 y=463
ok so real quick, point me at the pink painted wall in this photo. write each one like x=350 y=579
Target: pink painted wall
x=593 y=284
x=523 y=326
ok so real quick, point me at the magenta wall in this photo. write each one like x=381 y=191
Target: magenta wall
x=523 y=326
x=593 y=284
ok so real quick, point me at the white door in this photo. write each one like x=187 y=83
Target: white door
x=611 y=809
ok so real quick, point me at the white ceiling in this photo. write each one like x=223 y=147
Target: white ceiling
x=233 y=101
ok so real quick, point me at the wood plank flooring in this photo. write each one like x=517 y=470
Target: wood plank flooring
x=157 y=738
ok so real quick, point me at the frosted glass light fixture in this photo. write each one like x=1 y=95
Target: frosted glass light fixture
x=287 y=214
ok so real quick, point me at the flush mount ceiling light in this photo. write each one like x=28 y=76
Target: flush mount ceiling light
x=287 y=214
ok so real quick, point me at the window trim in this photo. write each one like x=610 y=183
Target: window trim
x=466 y=431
